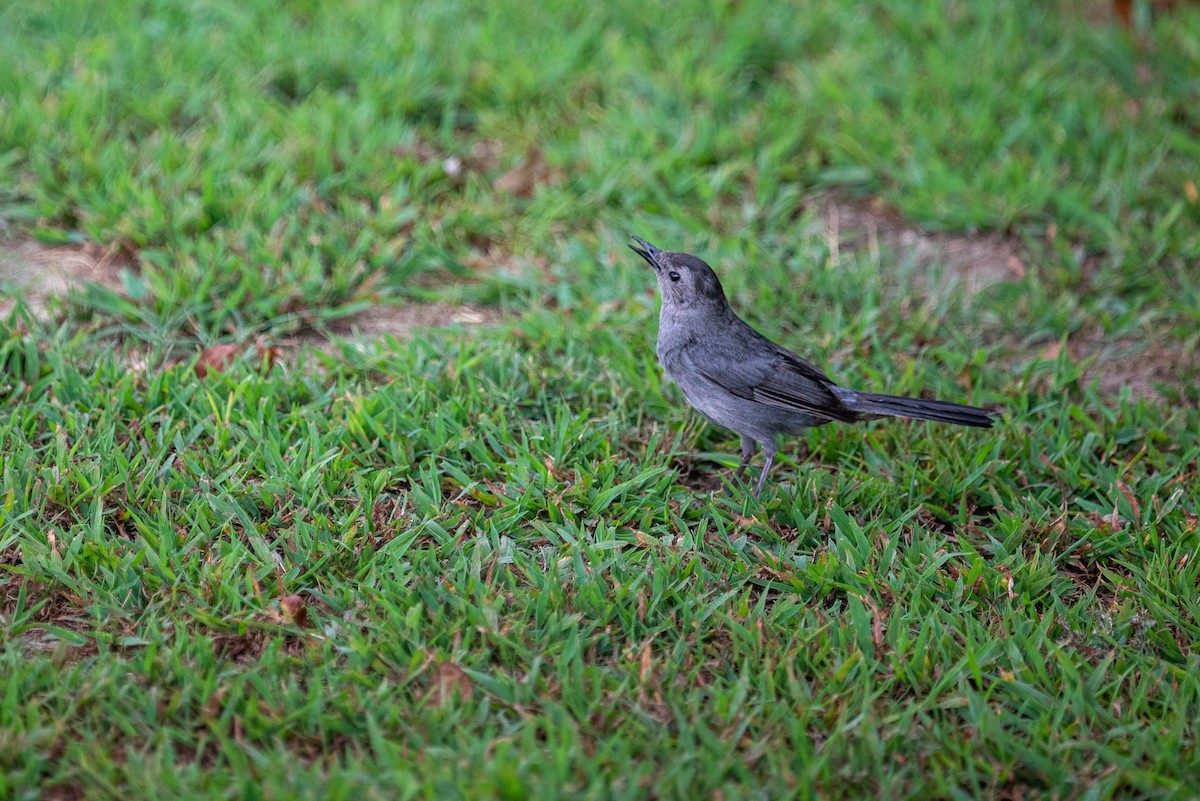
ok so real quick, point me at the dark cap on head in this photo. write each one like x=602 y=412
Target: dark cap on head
x=684 y=279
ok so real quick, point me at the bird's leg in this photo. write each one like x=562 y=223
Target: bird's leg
x=749 y=446
x=769 y=454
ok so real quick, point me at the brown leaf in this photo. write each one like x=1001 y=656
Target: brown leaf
x=448 y=679
x=220 y=358
x=1016 y=267
x=773 y=574
x=1108 y=523
x=1008 y=582
x=1051 y=351
x=1124 y=12
x=1129 y=496
x=525 y=177
x=294 y=610
x=876 y=621
x=217 y=359
x=419 y=151
x=268 y=355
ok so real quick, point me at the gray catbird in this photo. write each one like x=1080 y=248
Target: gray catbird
x=739 y=379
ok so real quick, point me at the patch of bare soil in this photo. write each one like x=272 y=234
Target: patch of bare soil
x=978 y=261
x=1146 y=367
x=36 y=272
x=36 y=642
x=699 y=479
x=400 y=321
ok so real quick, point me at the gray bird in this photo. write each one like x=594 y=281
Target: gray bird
x=741 y=380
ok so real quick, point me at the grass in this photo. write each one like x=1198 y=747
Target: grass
x=480 y=561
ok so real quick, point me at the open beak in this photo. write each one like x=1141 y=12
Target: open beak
x=646 y=251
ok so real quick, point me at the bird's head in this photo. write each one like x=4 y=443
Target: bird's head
x=684 y=280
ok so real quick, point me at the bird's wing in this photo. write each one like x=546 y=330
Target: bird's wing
x=783 y=380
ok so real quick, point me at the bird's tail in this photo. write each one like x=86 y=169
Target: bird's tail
x=868 y=403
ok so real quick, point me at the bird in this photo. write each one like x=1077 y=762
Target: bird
x=739 y=379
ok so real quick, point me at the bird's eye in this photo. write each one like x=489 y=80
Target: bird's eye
x=674 y=276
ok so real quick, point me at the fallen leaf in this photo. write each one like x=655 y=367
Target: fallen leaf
x=220 y=358
x=217 y=359
x=1016 y=267
x=268 y=355
x=448 y=679
x=1051 y=352
x=294 y=610
x=419 y=151
x=525 y=177
x=876 y=622
x=772 y=574
x=1124 y=12
x=1129 y=496
x=1008 y=582
x=1107 y=523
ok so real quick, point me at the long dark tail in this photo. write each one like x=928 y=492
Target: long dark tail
x=916 y=408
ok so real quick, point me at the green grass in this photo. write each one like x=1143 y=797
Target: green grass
x=512 y=586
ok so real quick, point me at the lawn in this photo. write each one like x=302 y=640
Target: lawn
x=431 y=524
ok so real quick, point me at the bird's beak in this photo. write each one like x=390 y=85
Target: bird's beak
x=646 y=251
